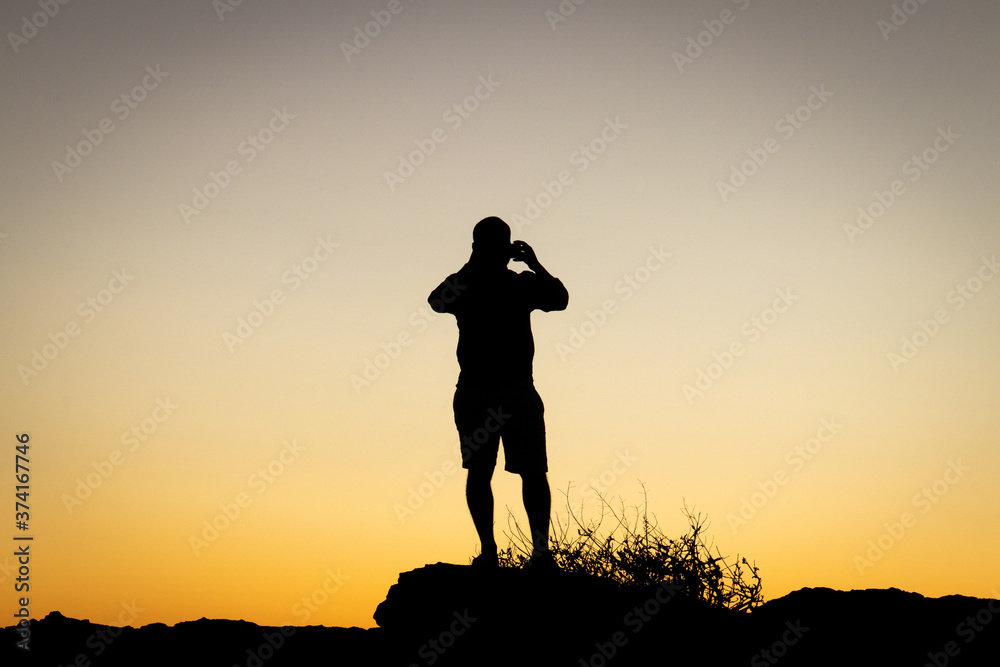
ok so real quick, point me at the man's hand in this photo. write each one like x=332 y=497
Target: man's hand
x=522 y=252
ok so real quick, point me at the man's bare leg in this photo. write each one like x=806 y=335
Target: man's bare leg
x=538 y=506
x=479 y=495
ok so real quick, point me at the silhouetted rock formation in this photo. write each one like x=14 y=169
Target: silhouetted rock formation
x=587 y=621
x=458 y=615
x=57 y=640
x=445 y=615
x=883 y=627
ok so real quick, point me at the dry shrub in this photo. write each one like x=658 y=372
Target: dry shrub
x=626 y=546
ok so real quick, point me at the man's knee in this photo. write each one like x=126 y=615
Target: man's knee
x=480 y=474
x=535 y=479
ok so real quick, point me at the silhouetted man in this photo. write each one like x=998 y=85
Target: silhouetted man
x=495 y=396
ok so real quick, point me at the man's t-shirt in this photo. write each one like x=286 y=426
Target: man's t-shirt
x=493 y=309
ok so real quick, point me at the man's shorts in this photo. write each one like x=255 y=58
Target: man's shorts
x=514 y=413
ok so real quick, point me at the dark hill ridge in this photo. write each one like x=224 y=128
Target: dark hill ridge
x=454 y=615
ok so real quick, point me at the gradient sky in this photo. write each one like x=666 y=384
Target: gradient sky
x=123 y=309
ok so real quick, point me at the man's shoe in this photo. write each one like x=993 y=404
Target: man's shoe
x=486 y=561
x=542 y=562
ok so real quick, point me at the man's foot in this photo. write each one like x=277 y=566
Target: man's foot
x=542 y=561
x=486 y=561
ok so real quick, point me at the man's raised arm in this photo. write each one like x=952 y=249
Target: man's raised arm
x=550 y=293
